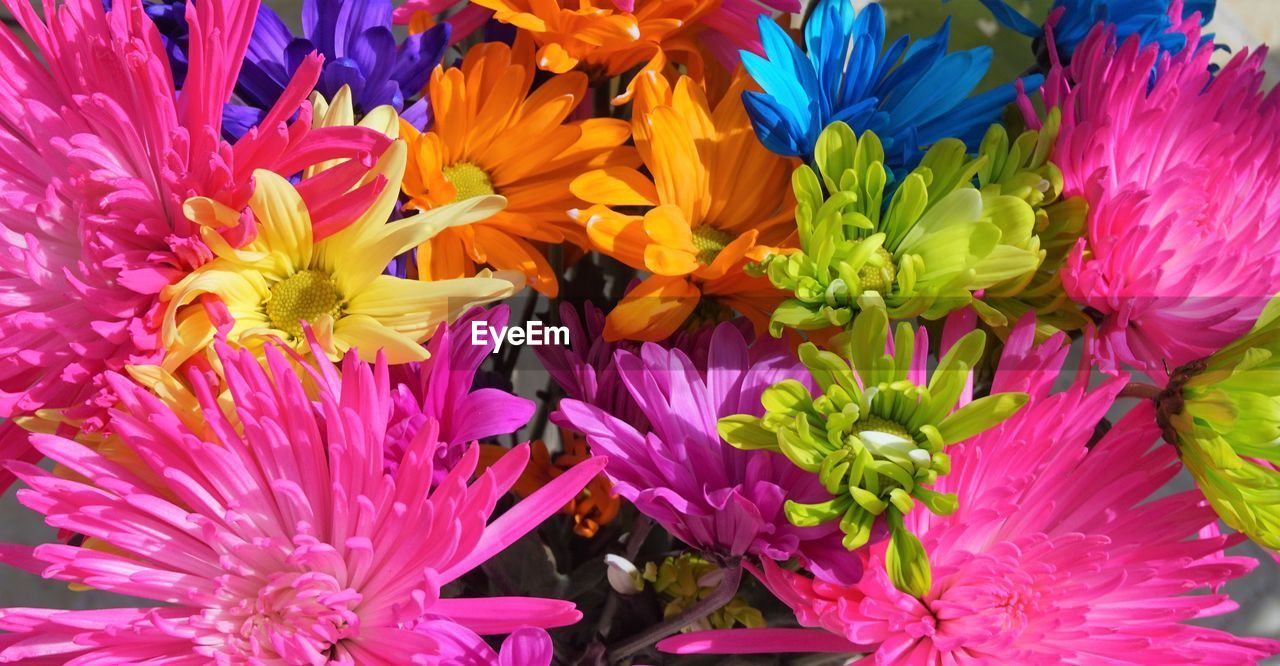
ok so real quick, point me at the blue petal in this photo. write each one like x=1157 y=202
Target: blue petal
x=1010 y=18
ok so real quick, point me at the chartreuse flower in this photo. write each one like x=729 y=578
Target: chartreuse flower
x=684 y=580
x=938 y=240
x=1021 y=168
x=1223 y=412
x=875 y=434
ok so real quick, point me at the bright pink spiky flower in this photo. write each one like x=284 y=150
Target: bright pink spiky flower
x=1057 y=555
x=277 y=539
x=97 y=156
x=1182 y=178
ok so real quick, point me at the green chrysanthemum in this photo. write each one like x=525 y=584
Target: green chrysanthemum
x=1022 y=169
x=876 y=434
x=939 y=239
x=1224 y=414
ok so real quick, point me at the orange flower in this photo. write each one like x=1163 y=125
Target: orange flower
x=596 y=505
x=605 y=37
x=716 y=200
x=492 y=135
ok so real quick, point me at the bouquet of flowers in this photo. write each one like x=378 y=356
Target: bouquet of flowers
x=842 y=340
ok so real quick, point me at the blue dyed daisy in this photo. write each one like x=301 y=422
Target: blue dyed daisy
x=910 y=94
x=1148 y=19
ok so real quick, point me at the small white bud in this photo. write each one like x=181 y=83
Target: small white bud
x=623 y=575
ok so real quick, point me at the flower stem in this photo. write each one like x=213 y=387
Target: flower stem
x=1140 y=390
x=720 y=596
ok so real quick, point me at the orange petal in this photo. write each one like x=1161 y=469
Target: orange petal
x=615 y=186
x=729 y=256
x=653 y=310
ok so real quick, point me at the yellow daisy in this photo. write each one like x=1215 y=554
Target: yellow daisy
x=285 y=277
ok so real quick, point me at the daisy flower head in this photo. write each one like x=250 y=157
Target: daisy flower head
x=496 y=134
x=1223 y=414
x=715 y=200
x=1150 y=21
x=910 y=95
x=287 y=279
x=101 y=154
x=939 y=239
x=724 y=502
x=278 y=538
x=1175 y=263
x=1063 y=550
x=875 y=431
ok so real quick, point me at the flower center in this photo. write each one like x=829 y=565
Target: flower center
x=299 y=615
x=880 y=424
x=304 y=296
x=879 y=272
x=709 y=241
x=468 y=180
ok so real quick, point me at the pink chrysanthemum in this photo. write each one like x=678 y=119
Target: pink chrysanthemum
x=279 y=540
x=723 y=501
x=97 y=156
x=1058 y=553
x=1182 y=180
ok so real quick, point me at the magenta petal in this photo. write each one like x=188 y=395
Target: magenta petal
x=758 y=641
x=527 y=647
x=526 y=515
x=500 y=615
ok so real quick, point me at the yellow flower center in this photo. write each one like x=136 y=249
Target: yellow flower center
x=468 y=180
x=709 y=241
x=880 y=424
x=304 y=296
x=879 y=272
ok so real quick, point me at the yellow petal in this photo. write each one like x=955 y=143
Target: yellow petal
x=414 y=308
x=284 y=225
x=353 y=266
x=368 y=336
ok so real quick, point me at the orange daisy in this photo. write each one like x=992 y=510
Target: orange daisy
x=494 y=135
x=717 y=199
x=605 y=37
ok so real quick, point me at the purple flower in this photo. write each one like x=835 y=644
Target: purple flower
x=440 y=390
x=721 y=500
x=359 y=50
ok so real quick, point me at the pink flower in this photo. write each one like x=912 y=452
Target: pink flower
x=1058 y=553
x=723 y=501
x=277 y=540
x=442 y=389
x=97 y=156
x=1182 y=179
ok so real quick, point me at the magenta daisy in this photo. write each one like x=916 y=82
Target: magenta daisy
x=1182 y=180
x=443 y=389
x=1059 y=552
x=723 y=501
x=97 y=156
x=278 y=538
